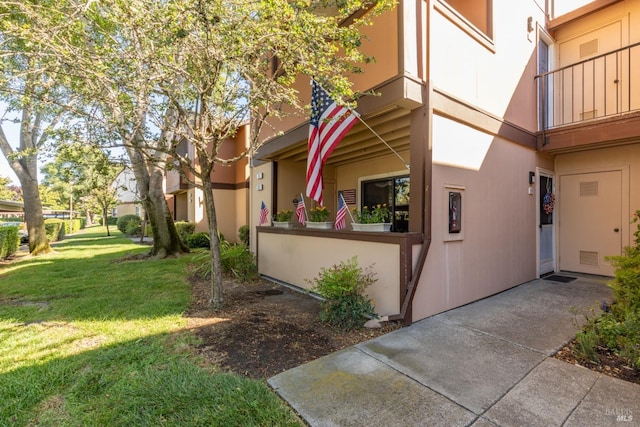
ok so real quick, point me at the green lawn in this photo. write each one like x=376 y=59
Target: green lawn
x=86 y=340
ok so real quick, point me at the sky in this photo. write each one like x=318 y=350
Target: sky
x=12 y=132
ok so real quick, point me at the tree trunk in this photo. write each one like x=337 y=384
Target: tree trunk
x=88 y=218
x=217 y=291
x=105 y=220
x=38 y=242
x=149 y=178
x=166 y=240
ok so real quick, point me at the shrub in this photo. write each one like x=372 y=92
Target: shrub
x=9 y=241
x=343 y=287
x=112 y=220
x=54 y=228
x=618 y=328
x=238 y=261
x=586 y=344
x=134 y=227
x=128 y=224
x=243 y=234
x=197 y=240
x=75 y=224
x=185 y=229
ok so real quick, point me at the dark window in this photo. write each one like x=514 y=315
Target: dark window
x=394 y=192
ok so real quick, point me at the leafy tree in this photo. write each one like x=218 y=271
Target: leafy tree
x=165 y=73
x=84 y=173
x=34 y=97
x=51 y=199
x=9 y=191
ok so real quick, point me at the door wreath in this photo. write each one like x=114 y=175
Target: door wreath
x=548 y=201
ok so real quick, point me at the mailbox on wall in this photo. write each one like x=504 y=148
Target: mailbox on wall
x=455 y=212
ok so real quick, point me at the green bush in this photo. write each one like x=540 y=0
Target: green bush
x=586 y=344
x=54 y=228
x=9 y=241
x=123 y=223
x=618 y=329
x=112 y=220
x=343 y=286
x=243 y=234
x=236 y=260
x=76 y=225
x=197 y=240
x=185 y=229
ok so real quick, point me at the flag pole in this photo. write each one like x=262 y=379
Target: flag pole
x=304 y=205
x=406 y=164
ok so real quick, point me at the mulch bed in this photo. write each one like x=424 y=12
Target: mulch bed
x=608 y=363
x=265 y=328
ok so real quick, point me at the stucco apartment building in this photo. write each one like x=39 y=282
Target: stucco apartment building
x=521 y=124
x=230 y=189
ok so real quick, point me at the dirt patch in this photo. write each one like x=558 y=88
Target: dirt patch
x=265 y=328
x=608 y=364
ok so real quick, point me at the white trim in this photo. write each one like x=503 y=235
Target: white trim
x=554 y=249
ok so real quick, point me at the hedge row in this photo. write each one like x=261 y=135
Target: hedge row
x=9 y=241
x=57 y=228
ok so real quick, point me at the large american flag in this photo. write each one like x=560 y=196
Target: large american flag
x=328 y=124
x=264 y=214
x=341 y=214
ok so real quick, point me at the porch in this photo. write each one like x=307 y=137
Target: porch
x=296 y=255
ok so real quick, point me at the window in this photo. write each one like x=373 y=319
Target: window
x=392 y=191
x=476 y=12
x=473 y=17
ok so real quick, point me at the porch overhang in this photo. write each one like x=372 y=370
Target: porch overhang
x=387 y=112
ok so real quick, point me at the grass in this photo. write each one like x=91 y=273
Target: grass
x=89 y=340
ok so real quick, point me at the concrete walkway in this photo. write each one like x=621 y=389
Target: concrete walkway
x=484 y=364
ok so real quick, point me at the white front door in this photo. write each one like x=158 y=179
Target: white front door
x=590 y=221
x=546 y=236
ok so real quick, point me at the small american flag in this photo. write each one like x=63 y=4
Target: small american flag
x=341 y=215
x=300 y=211
x=328 y=125
x=264 y=214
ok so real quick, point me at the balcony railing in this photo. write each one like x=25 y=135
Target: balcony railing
x=602 y=86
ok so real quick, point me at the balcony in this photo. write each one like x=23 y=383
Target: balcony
x=592 y=102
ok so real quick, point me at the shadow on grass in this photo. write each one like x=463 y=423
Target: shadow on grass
x=140 y=382
x=93 y=283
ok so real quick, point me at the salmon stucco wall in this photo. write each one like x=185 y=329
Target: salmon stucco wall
x=496 y=248
x=313 y=253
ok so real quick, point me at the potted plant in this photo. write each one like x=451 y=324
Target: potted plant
x=375 y=218
x=318 y=217
x=282 y=219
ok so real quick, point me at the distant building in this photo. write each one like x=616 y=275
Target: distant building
x=127 y=195
x=10 y=208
